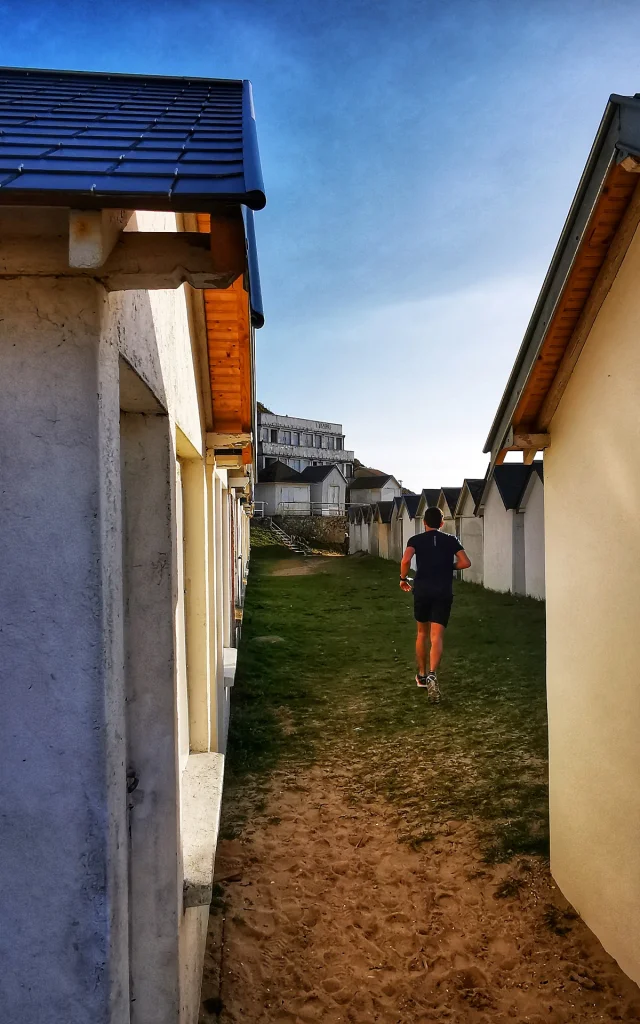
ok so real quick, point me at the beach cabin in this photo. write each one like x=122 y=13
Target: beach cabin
x=129 y=297
x=447 y=501
x=358 y=529
x=380 y=529
x=282 y=491
x=469 y=528
x=503 y=528
x=368 y=490
x=573 y=392
x=328 y=489
x=410 y=522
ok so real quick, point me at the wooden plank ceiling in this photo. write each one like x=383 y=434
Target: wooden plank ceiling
x=229 y=345
x=608 y=213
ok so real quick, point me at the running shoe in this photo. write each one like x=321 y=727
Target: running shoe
x=421 y=681
x=433 y=690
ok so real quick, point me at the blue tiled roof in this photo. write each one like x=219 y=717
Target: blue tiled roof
x=129 y=141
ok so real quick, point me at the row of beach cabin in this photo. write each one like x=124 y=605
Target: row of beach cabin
x=499 y=522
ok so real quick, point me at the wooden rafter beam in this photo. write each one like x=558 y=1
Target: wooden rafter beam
x=518 y=440
x=93 y=235
x=522 y=441
x=139 y=260
x=219 y=441
x=228 y=243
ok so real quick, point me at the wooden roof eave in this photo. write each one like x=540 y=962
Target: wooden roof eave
x=230 y=348
x=602 y=220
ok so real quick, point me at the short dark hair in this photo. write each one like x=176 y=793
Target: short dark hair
x=433 y=517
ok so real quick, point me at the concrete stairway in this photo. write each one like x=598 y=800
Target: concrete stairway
x=293 y=543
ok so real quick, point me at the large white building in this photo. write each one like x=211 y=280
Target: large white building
x=301 y=443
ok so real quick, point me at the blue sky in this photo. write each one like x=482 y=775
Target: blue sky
x=419 y=160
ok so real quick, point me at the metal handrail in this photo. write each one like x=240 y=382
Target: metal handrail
x=311 y=508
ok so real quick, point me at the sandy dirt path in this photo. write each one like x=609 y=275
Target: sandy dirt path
x=329 y=918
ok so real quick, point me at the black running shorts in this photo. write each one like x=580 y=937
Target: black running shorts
x=432 y=609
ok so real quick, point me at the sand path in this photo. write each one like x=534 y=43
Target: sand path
x=331 y=919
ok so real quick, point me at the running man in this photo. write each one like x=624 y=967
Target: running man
x=437 y=555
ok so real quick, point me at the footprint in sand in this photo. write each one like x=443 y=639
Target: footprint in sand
x=331 y=985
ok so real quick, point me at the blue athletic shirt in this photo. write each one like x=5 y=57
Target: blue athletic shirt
x=435 y=554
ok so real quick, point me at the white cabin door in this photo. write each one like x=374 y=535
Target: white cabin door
x=288 y=499
x=334 y=496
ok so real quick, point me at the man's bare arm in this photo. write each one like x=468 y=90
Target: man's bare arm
x=462 y=560
x=405 y=565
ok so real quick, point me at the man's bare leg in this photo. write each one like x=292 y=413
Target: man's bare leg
x=422 y=639
x=437 y=644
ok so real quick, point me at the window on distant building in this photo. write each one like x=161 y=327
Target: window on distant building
x=274 y=436
x=308 y=440
x=324 y=441
x=331 y=443
x=295 y=438
x=264 y=433
x=339 y=443
x=317 y=441
x=349 y=469
x=286 y=437
x=269 y=459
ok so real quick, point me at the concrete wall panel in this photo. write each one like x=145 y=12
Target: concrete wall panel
x=60 y=673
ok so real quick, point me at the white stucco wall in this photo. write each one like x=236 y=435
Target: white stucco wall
x=498 y=542
x=410 y=527
x=471 y=535
x=534 y=556
x=396 y=546
x=374 y=539
x=592 y=531
x=384 y=539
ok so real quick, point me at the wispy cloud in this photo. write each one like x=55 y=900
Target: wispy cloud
x=414 y=383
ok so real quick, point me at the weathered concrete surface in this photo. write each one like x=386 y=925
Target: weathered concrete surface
x=201 y=804
x=62 y=888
